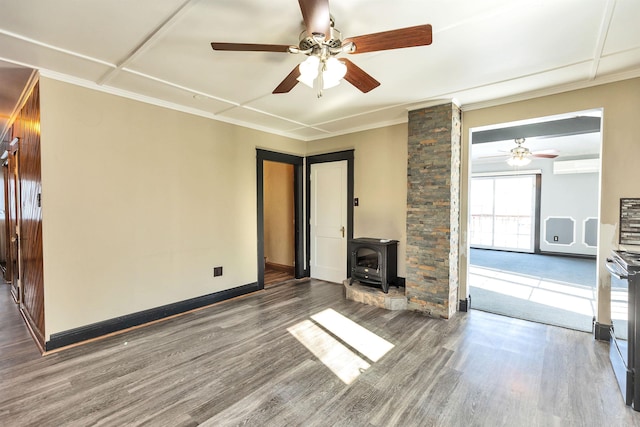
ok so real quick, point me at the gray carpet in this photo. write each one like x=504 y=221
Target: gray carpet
x=555 y=290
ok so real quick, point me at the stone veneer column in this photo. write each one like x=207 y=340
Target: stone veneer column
x=433 y=210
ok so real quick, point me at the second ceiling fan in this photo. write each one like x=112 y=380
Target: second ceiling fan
x=322 y=43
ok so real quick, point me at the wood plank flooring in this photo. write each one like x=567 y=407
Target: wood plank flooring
x=238 y=363
x=273 y=276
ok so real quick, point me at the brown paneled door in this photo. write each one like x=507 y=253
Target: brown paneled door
x=26 y=200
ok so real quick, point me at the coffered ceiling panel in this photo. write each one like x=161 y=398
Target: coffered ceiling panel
x=106 y=30
x=623 y=31
x=481 y=51
x=24 y=53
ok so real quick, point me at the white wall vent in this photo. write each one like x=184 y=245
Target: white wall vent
x=576 y=166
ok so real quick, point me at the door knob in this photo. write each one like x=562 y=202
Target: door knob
x=342 y=230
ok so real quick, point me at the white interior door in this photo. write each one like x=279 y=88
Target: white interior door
x=329 y=221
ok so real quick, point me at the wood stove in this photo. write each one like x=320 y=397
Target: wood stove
x=374 y=262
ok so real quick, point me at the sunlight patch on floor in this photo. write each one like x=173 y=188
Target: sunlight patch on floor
x=568 y=289
x=339 y=359
x=323 y=334
x=562 y=301
x=361 y=339
x=566 y=296
x=502 y=283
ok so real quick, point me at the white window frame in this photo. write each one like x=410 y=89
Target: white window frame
x=498 y=176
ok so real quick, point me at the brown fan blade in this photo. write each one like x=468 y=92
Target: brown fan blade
x=244 y=47
x=395 y=39
x=316 y=16
x=289 y=82
x=358 y=77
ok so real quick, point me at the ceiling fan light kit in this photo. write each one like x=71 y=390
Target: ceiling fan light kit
x=521 y=155
x=321 y=42
x=518 y=161
x=327 y=73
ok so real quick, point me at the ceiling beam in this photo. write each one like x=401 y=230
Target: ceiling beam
x=605 y=26
x=551 y=129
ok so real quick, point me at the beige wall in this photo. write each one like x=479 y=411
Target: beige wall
x=381 y=161
x=140 y=203
x=279 y=232
x=380 y=182
x=620 y=153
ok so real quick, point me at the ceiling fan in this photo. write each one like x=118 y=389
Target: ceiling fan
x=521 y=155
x=322 y=43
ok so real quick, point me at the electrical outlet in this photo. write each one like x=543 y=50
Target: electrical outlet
x=217 y=271
x=555 y=238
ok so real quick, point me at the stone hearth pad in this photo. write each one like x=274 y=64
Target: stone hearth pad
x=394 y=300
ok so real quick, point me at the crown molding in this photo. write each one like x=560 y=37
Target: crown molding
x=612 y=78
x=158 y=102
x=554 y=90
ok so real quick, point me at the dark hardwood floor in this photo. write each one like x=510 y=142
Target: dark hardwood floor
x=268 y=359
x=274 y=276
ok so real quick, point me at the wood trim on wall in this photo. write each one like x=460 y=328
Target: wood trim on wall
x=11 y=219
x=7 y=226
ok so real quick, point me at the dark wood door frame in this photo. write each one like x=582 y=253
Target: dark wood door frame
x=12 y=211
x=347 y=155
x=298 y=164
x=7 y=225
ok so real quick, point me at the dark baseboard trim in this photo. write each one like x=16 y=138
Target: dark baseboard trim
x=95 y=330
x=562 y=254
x=464 y=304
x=559 y=254
x=601 y=332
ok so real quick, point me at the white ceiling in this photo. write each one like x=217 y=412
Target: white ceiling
x=159 y=52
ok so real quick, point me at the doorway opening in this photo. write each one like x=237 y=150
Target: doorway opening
x=279 y=222
x=533 y=224
x=280 y=213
